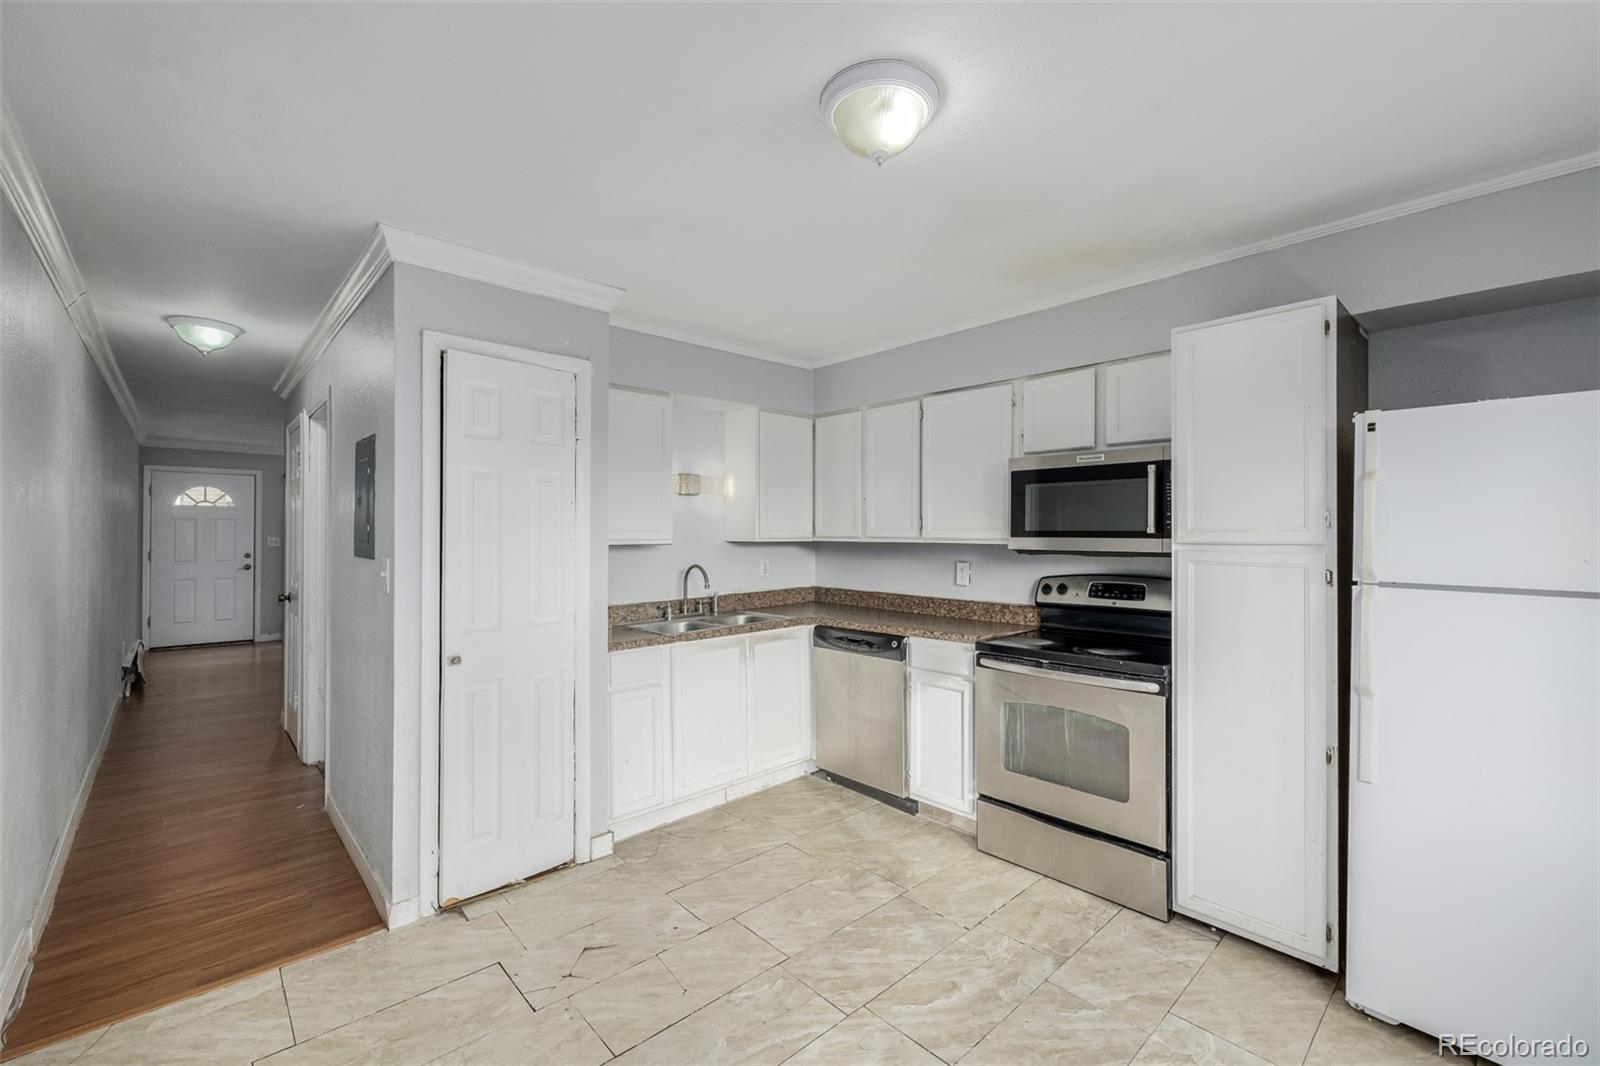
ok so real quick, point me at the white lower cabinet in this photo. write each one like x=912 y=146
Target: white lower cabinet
x=690 y=719
x=780 y=698
x=939 y=726
x=709 y=731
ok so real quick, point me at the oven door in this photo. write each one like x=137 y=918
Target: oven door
x=1083 y=749
x=1116 y=502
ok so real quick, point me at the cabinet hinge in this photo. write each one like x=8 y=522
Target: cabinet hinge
x=1327 y=519
x=1328 y=937
x=1327 y=578
x=1327 y=328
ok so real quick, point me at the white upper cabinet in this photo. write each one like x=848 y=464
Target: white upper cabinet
x=966 y=449
x=838 y=475
x=1057 y=412
x=891 y=470
x=1253 y=716
x=1251 y=428
x=1138 y=399
x=767 y=460
x=640 y=465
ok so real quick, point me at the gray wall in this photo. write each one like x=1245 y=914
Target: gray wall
x=692 y=373
x=357 y=373
x=269 y=515
x=1538 y=231
x=69 y=574
x=1533 y=351
x=429 y=300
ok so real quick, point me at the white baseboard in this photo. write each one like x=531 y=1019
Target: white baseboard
x=369 y=877
x=267 y=638
x=19 y=961
x=601 y=846
x=623 y=828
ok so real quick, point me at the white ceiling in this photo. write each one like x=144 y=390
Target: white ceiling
x=230 y=160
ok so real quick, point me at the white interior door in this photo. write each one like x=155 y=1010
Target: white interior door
x=293 y=575
x=202 y=557
x=506 y=773
x=311 y=596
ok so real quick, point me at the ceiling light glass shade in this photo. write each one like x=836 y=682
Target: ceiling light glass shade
x=878 y=108
x=204 y=335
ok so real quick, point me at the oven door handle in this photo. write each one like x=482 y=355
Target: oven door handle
x=1067 y=675
x=1150 y=498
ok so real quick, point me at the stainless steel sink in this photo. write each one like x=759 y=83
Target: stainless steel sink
x=679 y=626
x=744 y=619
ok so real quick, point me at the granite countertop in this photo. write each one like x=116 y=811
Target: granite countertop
x=877 y=612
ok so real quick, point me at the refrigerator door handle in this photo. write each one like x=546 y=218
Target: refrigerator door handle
x=1365 y=709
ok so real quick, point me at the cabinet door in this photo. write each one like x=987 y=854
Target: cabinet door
x=939 y=740
x=785 y=477
x=638 y=750
x=780 y=699
x=891 y=470
x=1138 y=399
x=640 y=463
x=1058 y=412
x=966 y=448
x=1251 y=429
x=838 y=475
x=708 y=715
x=1254 y=712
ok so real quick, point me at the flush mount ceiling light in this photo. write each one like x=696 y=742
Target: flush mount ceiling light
x=878 y=107
x=204 y=335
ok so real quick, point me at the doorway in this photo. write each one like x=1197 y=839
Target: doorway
x=201 y=555
x=305 y=593
x=510 y=617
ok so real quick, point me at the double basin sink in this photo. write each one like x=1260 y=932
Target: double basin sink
x=700 y=623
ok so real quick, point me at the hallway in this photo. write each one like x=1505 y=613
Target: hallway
x=203 y=855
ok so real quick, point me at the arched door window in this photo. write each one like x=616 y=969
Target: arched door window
x=203 y=496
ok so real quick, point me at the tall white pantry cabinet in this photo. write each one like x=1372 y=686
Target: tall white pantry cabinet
x=1262 y=408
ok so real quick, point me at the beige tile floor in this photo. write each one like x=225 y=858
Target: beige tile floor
x=802 y=924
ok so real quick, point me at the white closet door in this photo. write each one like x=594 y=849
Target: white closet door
x=966 y=450
x=1254 y=712
x=506 y=768
x=838 y=475
x=1250 y=428
x=294 y=512
x=891 y=471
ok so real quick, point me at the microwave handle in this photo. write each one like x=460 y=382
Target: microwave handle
x=1150 y=498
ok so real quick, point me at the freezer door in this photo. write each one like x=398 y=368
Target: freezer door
x=1503 y=494
x=1473 y=814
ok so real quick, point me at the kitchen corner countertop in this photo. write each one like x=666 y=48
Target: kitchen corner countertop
x=878 y=620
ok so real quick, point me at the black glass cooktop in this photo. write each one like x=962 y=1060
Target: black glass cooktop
x=1110 y=652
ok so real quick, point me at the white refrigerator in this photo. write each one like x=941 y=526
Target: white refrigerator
x=1474 y=902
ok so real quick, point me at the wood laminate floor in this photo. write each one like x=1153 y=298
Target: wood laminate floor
x=203 y=856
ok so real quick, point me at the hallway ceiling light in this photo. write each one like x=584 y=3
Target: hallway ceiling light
x=877 y=108
x=204 y=335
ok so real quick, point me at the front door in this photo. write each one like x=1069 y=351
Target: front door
x=202 y=557
x=506 y=773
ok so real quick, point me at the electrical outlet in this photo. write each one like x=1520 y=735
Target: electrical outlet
x=766 y=568
x=963 y=573
x=274 y=542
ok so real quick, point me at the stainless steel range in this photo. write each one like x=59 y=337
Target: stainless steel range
x=1073 y=738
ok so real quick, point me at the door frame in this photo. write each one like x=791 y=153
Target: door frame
x=255 y=571
x=322 y=427
x=434 y=345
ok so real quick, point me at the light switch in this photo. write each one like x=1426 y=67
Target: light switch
x=963 y=573
x=274 y=542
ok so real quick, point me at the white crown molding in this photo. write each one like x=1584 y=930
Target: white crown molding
x=390 y=245
x=414 y=249
x=197 y=445
x=636 y=326
x=19 y=179
x=1530 y=176
x=368 y=268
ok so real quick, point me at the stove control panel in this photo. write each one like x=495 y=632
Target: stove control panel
x=1105 y=591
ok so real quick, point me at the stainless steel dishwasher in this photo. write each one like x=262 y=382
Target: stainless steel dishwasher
x=859 y=691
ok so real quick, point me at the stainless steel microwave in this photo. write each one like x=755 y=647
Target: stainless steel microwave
x=1117 y=501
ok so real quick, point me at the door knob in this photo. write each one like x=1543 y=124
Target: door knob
x=285 y=597
x=454 y=660
x=246 y=566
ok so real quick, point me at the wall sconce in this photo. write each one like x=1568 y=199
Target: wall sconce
x=697 y=485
